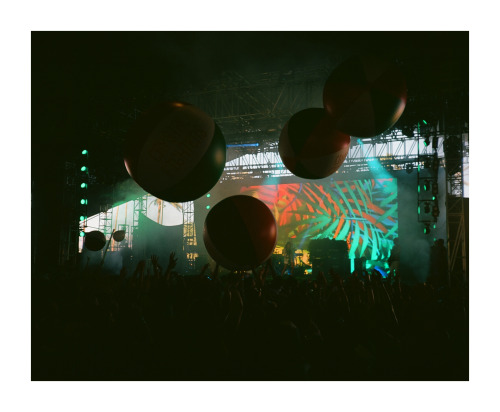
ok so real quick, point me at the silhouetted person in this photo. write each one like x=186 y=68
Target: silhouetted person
x=438 y=263
x=288 y=255
x=394 y=258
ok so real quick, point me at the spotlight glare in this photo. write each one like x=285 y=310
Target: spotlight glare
x=84 y=152
x=84 y=168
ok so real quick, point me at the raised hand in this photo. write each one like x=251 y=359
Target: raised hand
x=140 y=268
x=154 y=262
x=172 y=261
x=171 y=265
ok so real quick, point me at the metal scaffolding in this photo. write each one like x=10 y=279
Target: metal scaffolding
x=189 y=235
x=455 y=146
x=254 y=108
x=140 y=207
x=106 y=219
x=394 y=151
x=427 y=176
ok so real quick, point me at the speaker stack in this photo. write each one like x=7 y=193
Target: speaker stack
x=326 y=254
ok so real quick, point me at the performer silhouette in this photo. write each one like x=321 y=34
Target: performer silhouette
x=288 y=255
x=394 y=260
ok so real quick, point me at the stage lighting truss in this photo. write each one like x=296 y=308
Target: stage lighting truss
x=84 y=184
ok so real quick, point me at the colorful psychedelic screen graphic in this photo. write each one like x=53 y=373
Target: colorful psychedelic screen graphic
x=361 y=212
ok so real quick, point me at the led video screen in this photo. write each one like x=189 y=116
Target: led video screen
x=361 y=212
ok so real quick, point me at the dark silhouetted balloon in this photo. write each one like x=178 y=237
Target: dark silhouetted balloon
x=310 y=146
x=175 y=152
x=240 y=232
x=95 y=240
x=119 y=235
x=365 y=96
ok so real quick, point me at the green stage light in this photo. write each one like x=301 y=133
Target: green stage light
x=208 y=194
x=424 y=121
x=82 y=234
x=84 y=152
x=433 y=197
x=208 y=207
x=83 y=185
x=83 y=201
x=84 y=168
x=82 y=218
x=419 y=210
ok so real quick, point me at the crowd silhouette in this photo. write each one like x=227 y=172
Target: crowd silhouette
x=157 y=324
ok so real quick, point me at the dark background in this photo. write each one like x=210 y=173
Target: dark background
x=82 y=81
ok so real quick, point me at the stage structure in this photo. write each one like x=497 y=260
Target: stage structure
x=457 y=205
x=252 y=109
x=189 y=235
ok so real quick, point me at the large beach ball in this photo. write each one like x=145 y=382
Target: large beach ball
x=95 y=240
x=310 y=146
x=240 y=232
x=365 y=96
x=175 y=152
